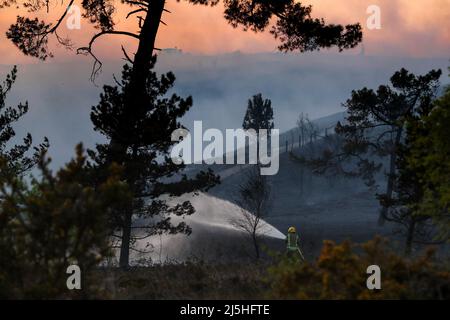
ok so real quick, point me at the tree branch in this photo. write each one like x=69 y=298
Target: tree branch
x=135 y=11
x=96 y=68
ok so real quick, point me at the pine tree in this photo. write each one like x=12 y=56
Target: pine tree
x=145 y=130
x=15 y=156
x=375 y=128
x=259 y=114
x=293 y=25
x=429 y=158
x=408 y=192
x=51 y=222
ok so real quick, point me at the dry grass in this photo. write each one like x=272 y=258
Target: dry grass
x=186 y=281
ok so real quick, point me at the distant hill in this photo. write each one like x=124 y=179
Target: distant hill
x=333 y=208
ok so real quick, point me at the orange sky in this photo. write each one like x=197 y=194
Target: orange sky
x=419 y=28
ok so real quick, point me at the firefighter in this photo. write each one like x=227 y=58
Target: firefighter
x=293 y=245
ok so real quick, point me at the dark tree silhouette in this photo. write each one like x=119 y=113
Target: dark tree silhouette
x=146 y=130
x=15 y=156
x=408 y=193
x=375 y=128
x=414 y=205
x=292 y=24
x=259 y=114
x=425 y=172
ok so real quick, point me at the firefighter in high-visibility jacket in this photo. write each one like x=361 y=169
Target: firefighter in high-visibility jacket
x=293 y=243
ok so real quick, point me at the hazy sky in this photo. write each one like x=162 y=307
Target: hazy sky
x=60 y=94
x=419 y=28
x=414 y=34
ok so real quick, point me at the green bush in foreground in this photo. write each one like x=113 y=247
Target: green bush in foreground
x=340 y=273
x=50 y=223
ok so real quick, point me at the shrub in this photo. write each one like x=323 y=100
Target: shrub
x=50 y=223
x=340 y=273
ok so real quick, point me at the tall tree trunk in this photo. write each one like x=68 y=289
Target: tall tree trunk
x=391 y=177
x=124 y=261
x=410 y=237
x=147 y=38
x=389 y=190
x=140 y=72
x=135 y=103
x=256 y=245
x=302 y=180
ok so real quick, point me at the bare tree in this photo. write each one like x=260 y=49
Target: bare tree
x=301 y=124
x=254 y=198
x=307 y=129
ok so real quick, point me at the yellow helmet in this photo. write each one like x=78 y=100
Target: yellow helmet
x=292 y=230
